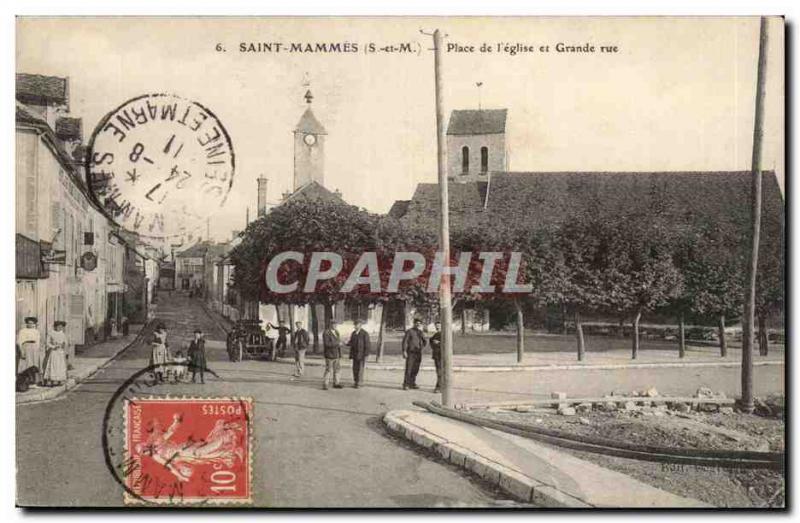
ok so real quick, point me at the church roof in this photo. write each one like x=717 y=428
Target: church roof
x=309 y=124
x=314 y=191
x=471 y=121
x=550 y=198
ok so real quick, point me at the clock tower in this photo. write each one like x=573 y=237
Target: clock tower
x=309 y=148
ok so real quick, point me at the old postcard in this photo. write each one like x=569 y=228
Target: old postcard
x=327 y=262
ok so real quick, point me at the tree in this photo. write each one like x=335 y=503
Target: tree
x=571 y=270
x=713 y=274
x=638 y=270
x=307 y=227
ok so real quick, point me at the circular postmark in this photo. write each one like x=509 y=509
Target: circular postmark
x=160 y=165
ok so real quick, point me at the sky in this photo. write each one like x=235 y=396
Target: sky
x=677 y=95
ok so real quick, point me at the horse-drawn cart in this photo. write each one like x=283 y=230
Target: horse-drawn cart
x=247 y=341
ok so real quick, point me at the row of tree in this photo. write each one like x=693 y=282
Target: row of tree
x=622 y=264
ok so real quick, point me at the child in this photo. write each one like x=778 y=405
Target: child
x=179 y=366
x=55 y=366
x=159 y=354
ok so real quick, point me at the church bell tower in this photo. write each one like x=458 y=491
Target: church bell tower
x=309 y=148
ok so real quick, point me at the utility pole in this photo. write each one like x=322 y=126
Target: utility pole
x=748 y=338
x=445 y=308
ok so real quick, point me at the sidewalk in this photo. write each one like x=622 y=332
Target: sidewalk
x=528 y=470
x=84 y=365
x=542 y=361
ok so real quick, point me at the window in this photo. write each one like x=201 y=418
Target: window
x=484 y=159
x=464 y=160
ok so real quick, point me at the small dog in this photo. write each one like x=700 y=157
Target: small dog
x=26 y=378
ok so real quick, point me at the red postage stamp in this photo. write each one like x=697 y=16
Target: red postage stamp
x=188 y=451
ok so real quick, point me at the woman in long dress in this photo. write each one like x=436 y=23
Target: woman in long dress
x=29 y=345
x=159 y=354
x=55 y=361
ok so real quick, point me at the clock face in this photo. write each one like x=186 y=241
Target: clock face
x=310 y=139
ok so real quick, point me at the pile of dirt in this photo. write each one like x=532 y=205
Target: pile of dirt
x=722 y=431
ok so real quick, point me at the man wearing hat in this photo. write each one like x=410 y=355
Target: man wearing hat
x=359 y=350
x=413 y=343
x=29 y=348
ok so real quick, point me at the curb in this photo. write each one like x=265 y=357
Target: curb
x=515 y=483
x=313 y=362
x=73 y=382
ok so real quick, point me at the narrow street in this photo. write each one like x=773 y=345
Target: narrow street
x=312 y=447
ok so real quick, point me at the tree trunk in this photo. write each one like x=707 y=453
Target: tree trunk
x=277 y=313
x=463 y=320
x=635 y=349
x=381 y=330
x=563 y=319
x=579 y=333
x=291 y=326
x=315 y=328
x=621 y=328
x=723 y=343
x=520 y=333
x=763 y=336
x=681 y=337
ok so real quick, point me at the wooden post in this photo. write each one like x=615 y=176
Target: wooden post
x=381 y=331
x=681 y=337
x=748 y=326
x=446 y=311
x=314 y=327
x=520 y=332
x=579 y=334
x=763 y=336
x=463 y=319
x=635 y=349
x=723 y=343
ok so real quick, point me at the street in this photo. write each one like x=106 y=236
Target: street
x=313 y=448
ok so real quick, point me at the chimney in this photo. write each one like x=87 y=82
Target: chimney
x=262 y=196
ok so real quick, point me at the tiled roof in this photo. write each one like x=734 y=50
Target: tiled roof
x=68 y=128
x=545 y=199
x=40 y=88
x=470 y=121
x=309 y=124
x=314 y=191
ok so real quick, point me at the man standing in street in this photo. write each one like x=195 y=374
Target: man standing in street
x=300 y=342
x=332 y=350
x=197 y=356
x=359 y=350
x=436 y=350
x=283 y=331
x=413 y=343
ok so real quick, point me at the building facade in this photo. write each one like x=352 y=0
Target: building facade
x=70 y=259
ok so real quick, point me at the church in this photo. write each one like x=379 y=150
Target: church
x=482 y=189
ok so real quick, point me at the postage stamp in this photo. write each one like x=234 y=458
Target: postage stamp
x=161 y=165
x=188 y=451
